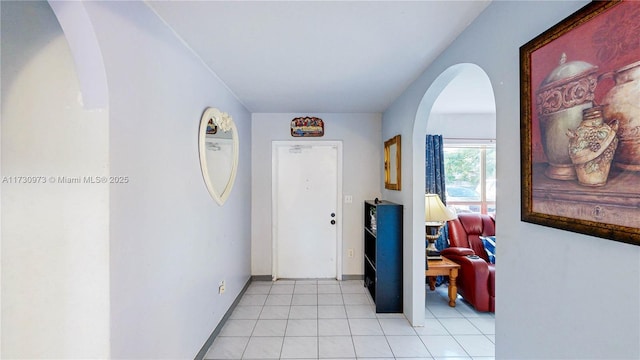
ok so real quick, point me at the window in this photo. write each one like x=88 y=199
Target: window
x=470 y=172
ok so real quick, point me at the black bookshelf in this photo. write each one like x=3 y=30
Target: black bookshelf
x=383 y=254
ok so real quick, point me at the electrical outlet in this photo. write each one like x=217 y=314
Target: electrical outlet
x=221 y=288
x=350 y=253
x=348 y=199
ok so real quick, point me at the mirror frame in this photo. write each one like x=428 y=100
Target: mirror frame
x=392 y=181
x=221 y=197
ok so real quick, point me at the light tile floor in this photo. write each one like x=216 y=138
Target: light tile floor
x=329 y=319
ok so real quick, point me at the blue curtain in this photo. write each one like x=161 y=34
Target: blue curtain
x=434 y=177
x=434 y=166
x=435 y=182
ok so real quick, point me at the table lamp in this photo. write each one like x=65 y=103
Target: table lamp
x=435 y=216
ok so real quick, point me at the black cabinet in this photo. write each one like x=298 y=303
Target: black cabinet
x=383 y=254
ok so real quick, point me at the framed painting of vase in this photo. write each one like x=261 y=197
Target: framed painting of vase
x=580 y=123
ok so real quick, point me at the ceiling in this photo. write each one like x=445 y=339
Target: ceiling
x=318 y=56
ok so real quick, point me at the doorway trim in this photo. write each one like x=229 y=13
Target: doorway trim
x=274 y=200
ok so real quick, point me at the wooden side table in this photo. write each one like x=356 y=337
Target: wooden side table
x=444 y=267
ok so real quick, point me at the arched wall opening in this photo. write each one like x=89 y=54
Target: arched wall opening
x=55 y=224
x=83 y=43
x=449 y=84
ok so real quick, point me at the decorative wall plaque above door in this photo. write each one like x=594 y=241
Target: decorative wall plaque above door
x=307 y=127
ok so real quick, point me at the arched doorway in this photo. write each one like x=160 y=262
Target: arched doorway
x=55 y=228
x=462 y=87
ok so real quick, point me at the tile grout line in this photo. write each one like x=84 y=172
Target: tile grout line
x=249 y=339
x=286 y=325
x=317 y=321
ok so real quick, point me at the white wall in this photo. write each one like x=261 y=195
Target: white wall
x=362 y=178
x=462 y=126
x=559 y=295
x=465 y=108
x=171 y=244
x=55 y=235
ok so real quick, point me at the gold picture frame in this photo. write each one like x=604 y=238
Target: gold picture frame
x=392 y=163
x=553 y=193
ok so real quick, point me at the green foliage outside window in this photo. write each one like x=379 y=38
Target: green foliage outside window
x=470 y=174
x=462 y=165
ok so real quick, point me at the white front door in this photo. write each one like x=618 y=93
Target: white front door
x=306 y=209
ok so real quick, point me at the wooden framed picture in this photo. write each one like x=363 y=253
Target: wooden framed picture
x=392 y=164
x=580 y=123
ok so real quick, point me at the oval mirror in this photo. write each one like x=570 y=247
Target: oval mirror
x=218 y=147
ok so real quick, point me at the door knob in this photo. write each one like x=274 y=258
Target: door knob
x=333 y=214
x=333 y=222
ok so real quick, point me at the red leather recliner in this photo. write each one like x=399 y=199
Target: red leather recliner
x=476 y=279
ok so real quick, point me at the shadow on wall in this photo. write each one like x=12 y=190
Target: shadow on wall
x=20 y=44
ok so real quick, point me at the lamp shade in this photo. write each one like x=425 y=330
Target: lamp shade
x=435 y=211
